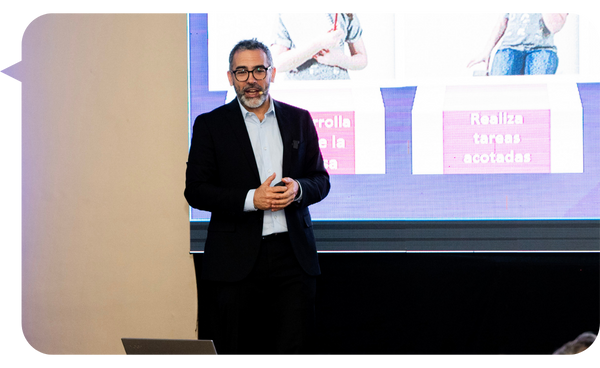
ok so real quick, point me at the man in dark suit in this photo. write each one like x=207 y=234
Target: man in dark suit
x=260 y=250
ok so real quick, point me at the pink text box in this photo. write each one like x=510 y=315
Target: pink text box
x=496 y=141
x=336 y=140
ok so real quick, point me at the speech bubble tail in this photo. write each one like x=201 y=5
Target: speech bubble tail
x=11 y=71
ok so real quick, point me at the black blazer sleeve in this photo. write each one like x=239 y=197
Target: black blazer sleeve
x=307 y=163
x=221 y=167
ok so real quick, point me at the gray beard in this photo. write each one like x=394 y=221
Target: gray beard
x=253 y=103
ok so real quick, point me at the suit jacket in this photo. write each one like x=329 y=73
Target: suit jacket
x=221 y=169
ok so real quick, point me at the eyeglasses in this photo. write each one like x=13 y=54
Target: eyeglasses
x=259 y=73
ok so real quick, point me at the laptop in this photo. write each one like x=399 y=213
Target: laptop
x=167 y=346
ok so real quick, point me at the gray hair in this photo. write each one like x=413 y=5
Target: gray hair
x=252 y=44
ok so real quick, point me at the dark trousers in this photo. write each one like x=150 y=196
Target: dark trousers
x=272 y=310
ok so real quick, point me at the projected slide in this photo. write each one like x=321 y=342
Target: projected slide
x=431 y=116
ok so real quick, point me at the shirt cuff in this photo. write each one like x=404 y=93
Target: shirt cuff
x=249 y=203
x=299 y=196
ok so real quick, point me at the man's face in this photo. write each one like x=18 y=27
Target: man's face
x=252 y=93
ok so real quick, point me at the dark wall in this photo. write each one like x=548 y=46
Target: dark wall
x=451 y=303
x=456 y=303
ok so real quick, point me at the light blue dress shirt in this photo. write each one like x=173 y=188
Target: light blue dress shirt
x=268 y=152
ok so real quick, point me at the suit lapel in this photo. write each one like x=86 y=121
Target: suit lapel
x=238 y=127
x=284 y=123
